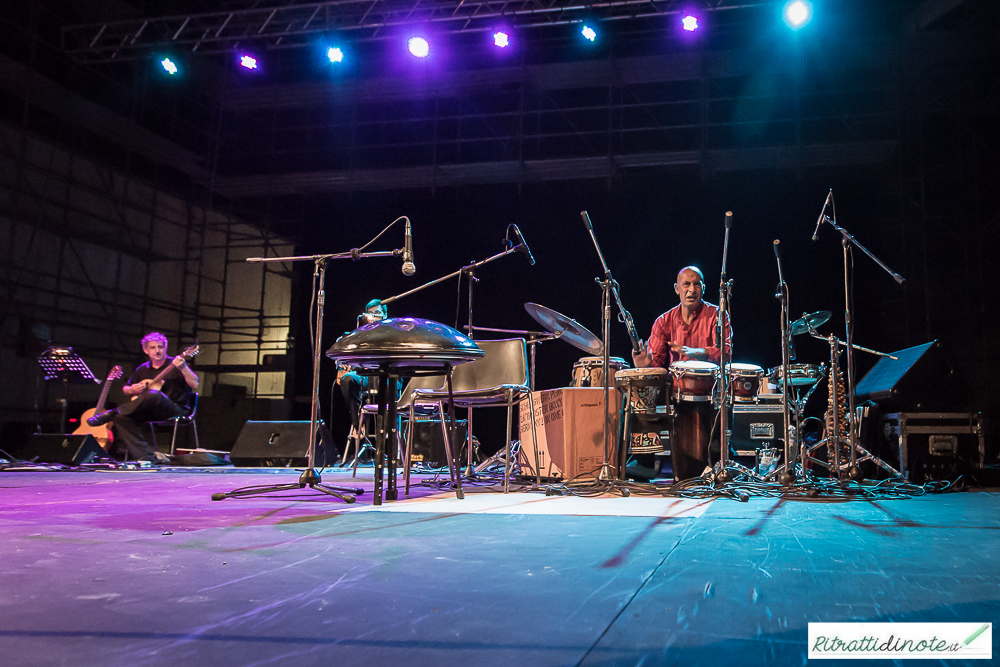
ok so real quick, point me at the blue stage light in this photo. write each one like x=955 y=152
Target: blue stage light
x=588 y=32
x=169 y=65
x=335 y=54
x=797 y=13
x=248 y=61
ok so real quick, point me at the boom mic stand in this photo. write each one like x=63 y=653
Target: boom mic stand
x=723 y=472
x=470 y=270
x=787 y=476
x=610 y=288
x=309 y=476
x=846 y=240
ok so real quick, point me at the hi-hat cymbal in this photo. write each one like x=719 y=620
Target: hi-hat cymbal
x=568 y=329
x=808 y=322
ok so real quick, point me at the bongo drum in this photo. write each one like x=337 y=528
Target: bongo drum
x=745 y=381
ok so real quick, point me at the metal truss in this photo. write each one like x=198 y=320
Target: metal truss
x=297 y=24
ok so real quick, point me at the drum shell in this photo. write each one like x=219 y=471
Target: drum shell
x=689 y=439
x=693 y=381
x=646 y=389
x=745 y=382
x=589 y=371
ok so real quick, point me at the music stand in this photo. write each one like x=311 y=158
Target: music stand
x=61 y=363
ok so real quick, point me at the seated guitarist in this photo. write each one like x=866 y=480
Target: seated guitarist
x=151 y=402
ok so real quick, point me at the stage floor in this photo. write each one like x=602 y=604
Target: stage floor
x=143 y=568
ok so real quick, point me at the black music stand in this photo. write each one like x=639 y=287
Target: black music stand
x=61 y=363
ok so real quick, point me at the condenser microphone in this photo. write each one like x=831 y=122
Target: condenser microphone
x=523 y=247
x=408 y=267
x=586 y=220
x=819 y=220
x=729 y=219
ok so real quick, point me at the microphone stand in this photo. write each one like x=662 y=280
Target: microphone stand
x=309 y=476
x=470 y=270
x=846 y=240
x=787 y=476
x=609 y=287
x=723 y=475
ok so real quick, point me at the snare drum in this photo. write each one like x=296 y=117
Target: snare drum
x=694 y=380
x=646 y=389
x=745 y=381
x=589 y=371
x=799 y=375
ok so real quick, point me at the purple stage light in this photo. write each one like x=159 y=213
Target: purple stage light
x=501 y=39
x=690 y=23
x=418 y=47
x=588 y=33
x=248 y=61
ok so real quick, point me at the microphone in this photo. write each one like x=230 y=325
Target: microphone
x=408 y=267
x=729 y=219
x=586 y=220
x=524 y=245
x=819 y=220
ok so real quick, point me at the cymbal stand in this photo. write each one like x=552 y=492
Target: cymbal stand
x=615 y=457
x=846 y=241
x=309 y=476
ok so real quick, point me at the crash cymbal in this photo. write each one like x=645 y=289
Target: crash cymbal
x=810 y=321
x=568 y=329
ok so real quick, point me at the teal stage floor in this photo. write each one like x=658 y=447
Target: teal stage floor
x=143 y=568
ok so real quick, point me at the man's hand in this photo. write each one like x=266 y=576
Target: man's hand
x=178 y=361
x=688 y=351
x=642 y=359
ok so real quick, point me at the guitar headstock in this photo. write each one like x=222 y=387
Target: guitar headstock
x=115 y=373
x=190 y=352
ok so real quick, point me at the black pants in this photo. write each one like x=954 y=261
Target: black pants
x=151 y=406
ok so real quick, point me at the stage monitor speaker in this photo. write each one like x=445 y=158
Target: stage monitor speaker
x=280 y=445
x=62 y=448
x=428 y=441
x=920 y=380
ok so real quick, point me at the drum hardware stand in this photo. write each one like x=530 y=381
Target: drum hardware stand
x=846 y=241
x=470 y=270
x=309 y=476
x=615 y=457
x=835 y=440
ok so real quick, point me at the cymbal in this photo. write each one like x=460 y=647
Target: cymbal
x=811 y=321
x=568 y=329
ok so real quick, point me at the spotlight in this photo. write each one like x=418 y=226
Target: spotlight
x=335 y=54
x=418 y=47
x=588 y=32
x=248 y=61
x=169 y=65
x=689 y=23
x=797 y=13
x=501 y=39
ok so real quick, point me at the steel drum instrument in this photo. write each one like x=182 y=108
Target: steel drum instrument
x=589 y=371
x=694 y=380
x=646 y=389
x=745 y=381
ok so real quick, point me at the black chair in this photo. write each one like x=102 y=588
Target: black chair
x=498 y=379
x=177 y=422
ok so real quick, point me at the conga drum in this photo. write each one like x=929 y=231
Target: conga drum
x=589 y=371
x=645 y=390
x=694 y=382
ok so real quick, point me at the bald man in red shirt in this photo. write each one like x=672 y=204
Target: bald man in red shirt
x=686 y=331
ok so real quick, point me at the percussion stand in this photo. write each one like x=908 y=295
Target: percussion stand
x=846 y=241
x=309 y=476
x=615 y=458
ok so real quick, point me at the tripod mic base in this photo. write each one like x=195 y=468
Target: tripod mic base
x=856 y=474
x=787 y=478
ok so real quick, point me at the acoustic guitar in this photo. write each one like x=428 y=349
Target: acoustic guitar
x=157 y=382
x=103 y=432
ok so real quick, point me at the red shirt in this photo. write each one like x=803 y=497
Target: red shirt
x=670 y=327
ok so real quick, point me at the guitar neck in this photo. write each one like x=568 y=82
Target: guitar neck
x=104 y=395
